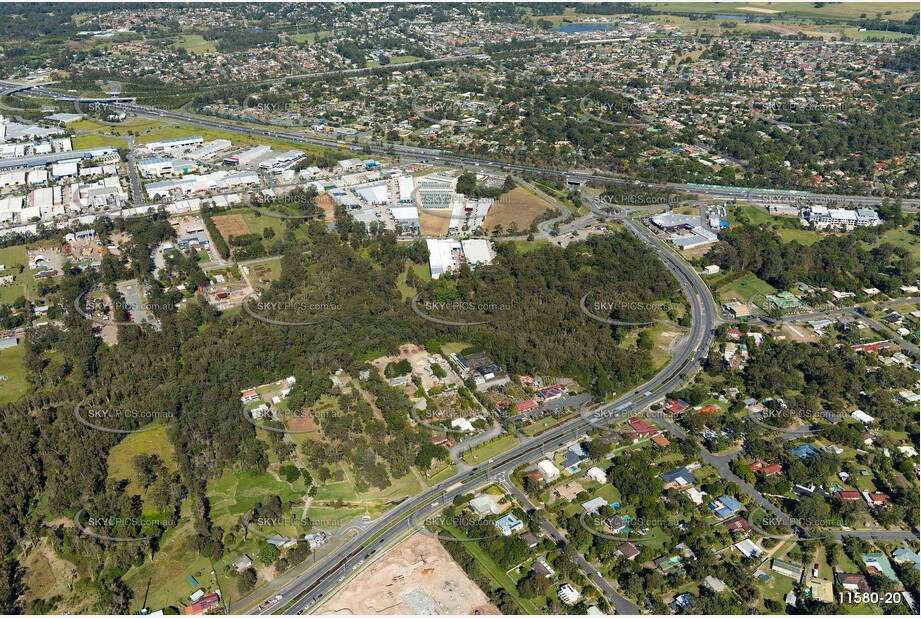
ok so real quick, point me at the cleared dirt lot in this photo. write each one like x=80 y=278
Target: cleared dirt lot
x=417 y=577
x=518 y=206
x=434 y=225
x=231 y=225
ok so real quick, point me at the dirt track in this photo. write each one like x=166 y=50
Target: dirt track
x=416 y=577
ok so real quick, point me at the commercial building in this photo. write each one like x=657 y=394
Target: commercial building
x=43 y=160
x=177 y=143
x=407 y=217
x=405 y=187
x=248 y=156
x=435 y=192
x=823 y=217
x=477 y=252
x=444 y=255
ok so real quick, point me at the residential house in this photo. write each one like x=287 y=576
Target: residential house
x=543 y=567
x=737 y=523
x=596 y=474
x=509 y=525
x=855 y=582
x=789 y=569
x=678 y=479
x=242 y=563
x=879 y=564
x=592 y=506
x=568 y=594
x=628 y=550
x=548 y=470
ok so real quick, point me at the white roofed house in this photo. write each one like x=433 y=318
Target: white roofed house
x=549 y=471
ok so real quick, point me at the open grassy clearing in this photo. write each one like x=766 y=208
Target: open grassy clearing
x=13 y=369
x=519 y=208
x=745 y=288
x=194 y=44
x=490 y=450
x=12 y=258
x=120 y=461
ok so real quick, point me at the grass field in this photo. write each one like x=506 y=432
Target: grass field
x=488 y=451
x=12 y=258
x=83 y=142
x=153 y=442
x=519 y=207
x=524 y=246
x=841 y=10
x=162 y=582
x=11 y=366
x=195 y=44
x=744 y=288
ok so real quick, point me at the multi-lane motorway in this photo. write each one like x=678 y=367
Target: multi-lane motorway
x=411 y=153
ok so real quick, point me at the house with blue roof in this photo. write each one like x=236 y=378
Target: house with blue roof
x=804 y=451
x=903 y=555
x=678 y=479
x=509 y=524
x=725 y=506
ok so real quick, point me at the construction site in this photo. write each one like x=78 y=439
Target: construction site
x=416 y=577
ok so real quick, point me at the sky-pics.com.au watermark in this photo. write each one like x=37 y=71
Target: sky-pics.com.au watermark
x=804 y=528
x=625 y=112
x=441 y=201
x=89 y=307
x=309 y=313
x=90 y=526
x=111 y=110
x=450 y=313
x=101 y=417
x=785 y=417
x=292 y=199
x=785 y=107
x=292 y=421
x=313 y=529
x=464 y=526
x=598 y=309
x=627 y=529
x=448 y=110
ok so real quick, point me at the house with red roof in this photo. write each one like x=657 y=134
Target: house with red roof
x=759 y=467
x=676 y=406
x=876 y=498
x=847 y=495
x=525 y=406
x=871 y=347
x=642 y=428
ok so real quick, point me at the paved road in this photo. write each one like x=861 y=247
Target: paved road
x=323 y=577
x=429 y=155
x=622 y=604
x=859 y=312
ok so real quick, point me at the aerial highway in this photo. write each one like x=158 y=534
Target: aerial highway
x=412 y=153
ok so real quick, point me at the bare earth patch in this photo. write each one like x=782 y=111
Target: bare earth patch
x=231 y=225
x=416 y=577
x=518 y=206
